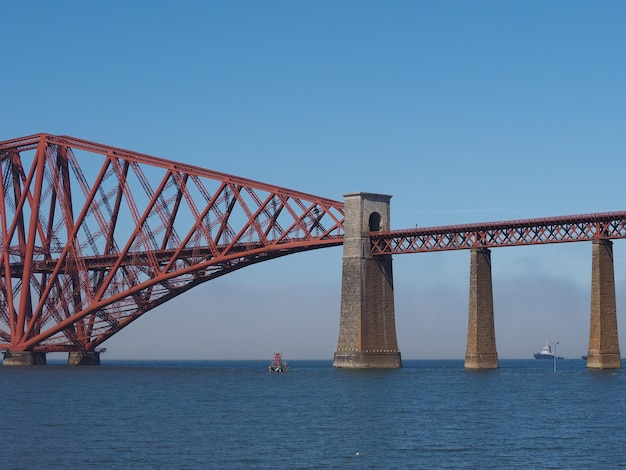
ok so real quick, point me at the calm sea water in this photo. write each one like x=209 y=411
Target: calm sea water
x=429 y=414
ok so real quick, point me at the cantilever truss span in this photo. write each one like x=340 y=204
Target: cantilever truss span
x=574 y=228
x=92 y=236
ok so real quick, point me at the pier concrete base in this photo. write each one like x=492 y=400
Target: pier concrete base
x=367 y=329
x=603 y=338
x=83 y=358
x=368 y=360
x=24 y=358
x=481 y=350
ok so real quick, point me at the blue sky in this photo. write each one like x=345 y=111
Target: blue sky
x=463 y=111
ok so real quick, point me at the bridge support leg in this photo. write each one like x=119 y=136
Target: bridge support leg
x=24 y=358
x=481 y=337
x=83 y=358
x=603 y=339
x=367 y=330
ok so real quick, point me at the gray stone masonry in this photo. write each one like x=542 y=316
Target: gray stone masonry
x=603 y=339
x=481 y=337
x=83 y=358
x=367 y=329
x=23 y=358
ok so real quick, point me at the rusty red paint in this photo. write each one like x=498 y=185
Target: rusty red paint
x=91 y=242
x=574 y=228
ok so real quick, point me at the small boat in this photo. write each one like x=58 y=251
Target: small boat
x=546 y=353
x=278 y=365
x=584 y=357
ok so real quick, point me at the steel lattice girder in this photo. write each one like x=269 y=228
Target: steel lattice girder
x=94 y=236
x=576 y=228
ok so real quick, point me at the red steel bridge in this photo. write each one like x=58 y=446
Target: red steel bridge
x=93 y=236
x=573 y=228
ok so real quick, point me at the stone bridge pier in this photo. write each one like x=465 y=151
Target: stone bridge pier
x=481 y=336
x=23 y=358
x=367 y=329
x=603 y=350
x=30 y=358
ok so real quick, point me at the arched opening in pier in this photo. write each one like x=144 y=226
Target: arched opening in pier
x=375 y=222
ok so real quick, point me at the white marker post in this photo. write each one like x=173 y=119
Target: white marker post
x=554 y=343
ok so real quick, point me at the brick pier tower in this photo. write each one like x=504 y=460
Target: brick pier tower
x=603 y=340
x=481 y=337
x=367 y=330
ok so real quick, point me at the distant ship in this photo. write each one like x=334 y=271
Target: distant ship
x=546 y=353
x=278 y=365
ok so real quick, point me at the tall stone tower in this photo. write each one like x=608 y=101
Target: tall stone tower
x=367 y=330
